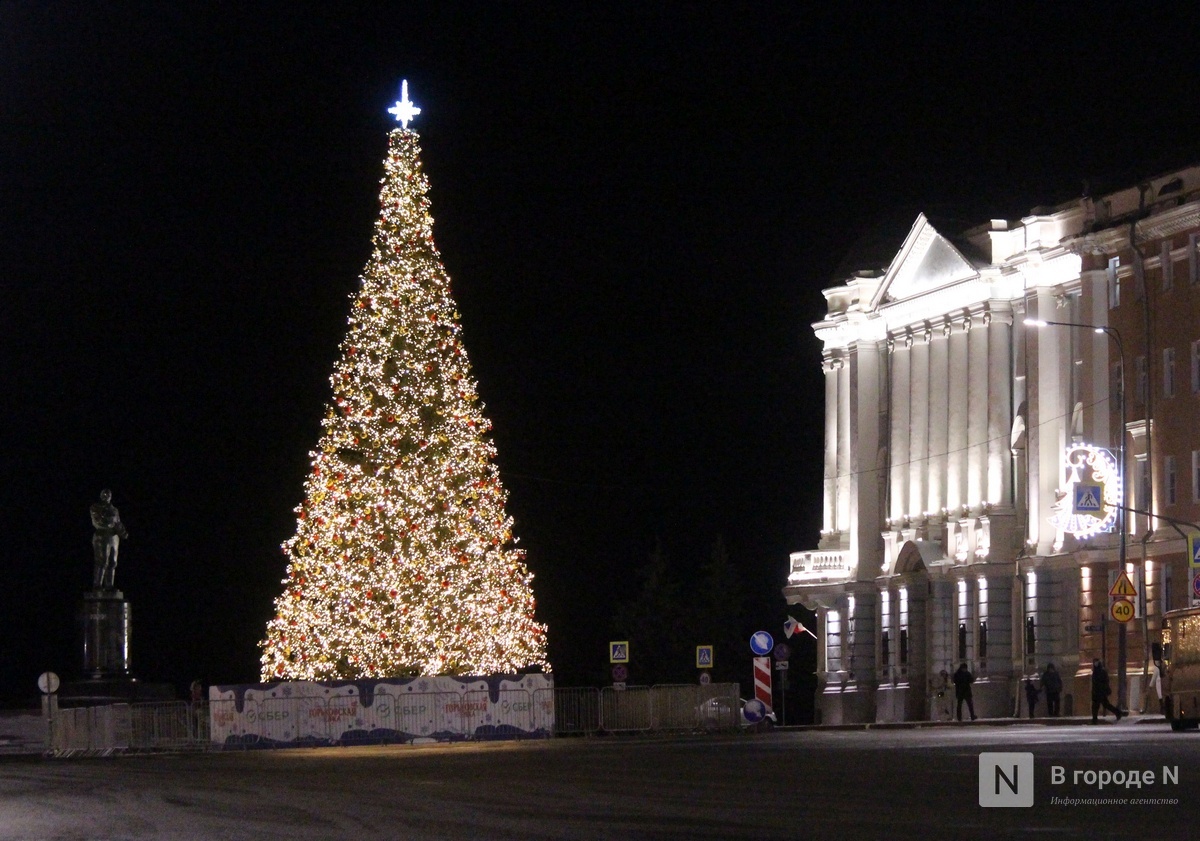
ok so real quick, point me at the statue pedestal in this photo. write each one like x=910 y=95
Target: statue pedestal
x=106 y=619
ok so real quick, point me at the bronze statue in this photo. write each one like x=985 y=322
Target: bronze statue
x=105 y=542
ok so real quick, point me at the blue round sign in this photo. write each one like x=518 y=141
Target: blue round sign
x=762 y=643
x=754 y=711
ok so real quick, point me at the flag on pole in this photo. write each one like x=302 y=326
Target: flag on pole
x=792 y=625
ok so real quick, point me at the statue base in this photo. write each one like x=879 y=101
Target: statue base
x=106 y=620
x=129 y=690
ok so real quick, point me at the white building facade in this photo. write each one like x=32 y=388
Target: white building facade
x=955 y=432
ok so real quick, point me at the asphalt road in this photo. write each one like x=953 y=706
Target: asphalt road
x=917 y=783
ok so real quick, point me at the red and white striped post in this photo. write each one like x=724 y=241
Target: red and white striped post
x=762 y=681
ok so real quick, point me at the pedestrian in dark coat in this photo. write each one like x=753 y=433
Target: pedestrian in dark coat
x=962 y=690
x=1052 y=683
x=1100 y=691
x=1031 y=694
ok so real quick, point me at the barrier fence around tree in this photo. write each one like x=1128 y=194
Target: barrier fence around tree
x=263 y=720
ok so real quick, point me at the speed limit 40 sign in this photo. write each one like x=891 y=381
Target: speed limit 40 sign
x=1121 y=610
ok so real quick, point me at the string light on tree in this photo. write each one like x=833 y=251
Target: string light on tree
x=403 y=561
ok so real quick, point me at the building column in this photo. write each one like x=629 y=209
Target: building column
x=1000 y=410
x=1097 y=378
x=829 y=520
x=977 y=411
x=864 y=526
x=898 y=446
x=956 y=415
x=918 y=438
x=854 y=700
x=844 y=448
x=939 y=394
x=1049 y=418
x=1000 y=523
x=994 y=694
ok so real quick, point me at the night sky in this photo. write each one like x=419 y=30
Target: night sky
x=638 y=205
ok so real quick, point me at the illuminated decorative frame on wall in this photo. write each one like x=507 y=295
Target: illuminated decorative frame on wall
x=1097 y=466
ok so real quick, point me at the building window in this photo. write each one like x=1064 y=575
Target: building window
x=1140 y=374
x=1166 y=588
x=904 y=648
x=1169 y=372
x=1195 y=367
x=848 y=645
x=966 y=605
x=1169 y=469
x=1114 y=284
x=1031 y=608
x=833 y=641
x=885 y=638
x=1142 y=477
x=1193 y=264
x=1168 y=269
x=981 y=614
x=1195 y=475
x=1116 y=385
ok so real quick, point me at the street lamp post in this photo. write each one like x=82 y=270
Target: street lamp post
x=1115 y=335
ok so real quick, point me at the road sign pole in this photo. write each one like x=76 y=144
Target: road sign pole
x=783 y=699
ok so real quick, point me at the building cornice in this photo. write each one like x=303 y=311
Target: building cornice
x=1167 y=223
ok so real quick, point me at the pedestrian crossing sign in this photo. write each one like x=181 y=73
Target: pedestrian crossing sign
x=1193 y=544
x=618 y=652
x=1088 y=498
x=704 y=657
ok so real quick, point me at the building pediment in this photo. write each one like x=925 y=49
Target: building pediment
x=926 y=262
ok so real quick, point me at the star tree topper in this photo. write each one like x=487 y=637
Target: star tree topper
x=404 y=109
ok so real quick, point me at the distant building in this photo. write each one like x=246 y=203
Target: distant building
x=965 y=450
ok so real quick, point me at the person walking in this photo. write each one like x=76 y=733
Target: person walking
x=962 y=690
x=1101 y=689
x=1031 y=694
x=1154 y=679
x=1052 y=684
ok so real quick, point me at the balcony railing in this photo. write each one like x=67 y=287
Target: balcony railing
x=816 y=567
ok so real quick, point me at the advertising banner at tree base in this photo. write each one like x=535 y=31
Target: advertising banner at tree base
x=382 y=711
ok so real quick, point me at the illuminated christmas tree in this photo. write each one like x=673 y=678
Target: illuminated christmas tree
x=403 y=560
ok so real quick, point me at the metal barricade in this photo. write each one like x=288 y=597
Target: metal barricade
x=719 y=707
x=23 y=731
x=170 y=725
x=297 y=720
x=576 y=711
x=97 y=730
x=676 y=707
x=626 y=709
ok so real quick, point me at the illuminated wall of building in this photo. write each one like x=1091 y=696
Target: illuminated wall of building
x=948 y=534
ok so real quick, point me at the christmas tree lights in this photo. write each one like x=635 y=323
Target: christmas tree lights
x=403 y=560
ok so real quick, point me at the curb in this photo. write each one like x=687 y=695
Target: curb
x=1060 y=721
